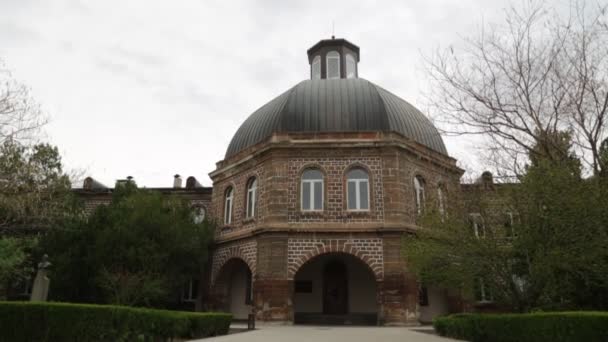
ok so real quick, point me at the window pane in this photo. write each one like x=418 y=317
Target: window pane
x=333 y=65
x=305 y=195
x=249 y=203
x=312 y=174
x=351 y=67
x=352 y=195
x=318 y=196
x=364 y=195
x=357 y=174
x=316 y=68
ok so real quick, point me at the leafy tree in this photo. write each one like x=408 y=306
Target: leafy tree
x=138 y=250
x=14 y=262
x=551 y=256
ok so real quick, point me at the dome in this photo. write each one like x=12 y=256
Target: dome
x=336 y=105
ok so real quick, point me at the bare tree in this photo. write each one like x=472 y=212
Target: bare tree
x=20 y=115
x=518 y=83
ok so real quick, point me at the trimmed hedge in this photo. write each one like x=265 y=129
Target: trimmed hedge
x=533 y=327
x=39 y=321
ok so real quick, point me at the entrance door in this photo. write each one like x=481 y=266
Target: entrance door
x=335 y=289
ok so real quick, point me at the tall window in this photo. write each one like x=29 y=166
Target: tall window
x=190 y=290
x=316 y=68
x=483 y=292
x=312 y=190
x=508 y=224
x=419 y=192
x=252 y=190
x=357 y=185
x=441 y=201
x=477 y=225
x=333 y=64
x=351 y=66
x=229 y=199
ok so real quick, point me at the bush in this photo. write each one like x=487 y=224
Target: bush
x=537 y=327
x=37 y=321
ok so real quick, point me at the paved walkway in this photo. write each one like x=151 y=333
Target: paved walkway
x=299 y=333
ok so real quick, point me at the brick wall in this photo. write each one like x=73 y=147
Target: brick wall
x=245 y=250
x=368 y=250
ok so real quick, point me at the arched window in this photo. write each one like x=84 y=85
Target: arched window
x=199 y=214
x=316 y=68
x=351 y=66
x=312 y=190
x=229 y=199
x=357 y=187
x=333 y=64
x=441 y=200
x=252 y=190
x=420 y=195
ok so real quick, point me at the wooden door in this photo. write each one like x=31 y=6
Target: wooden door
x=335 y=289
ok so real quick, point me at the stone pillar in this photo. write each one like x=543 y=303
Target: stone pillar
x=272 y=291
x=399 y=293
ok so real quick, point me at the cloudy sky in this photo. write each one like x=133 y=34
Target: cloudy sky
x=154 y=88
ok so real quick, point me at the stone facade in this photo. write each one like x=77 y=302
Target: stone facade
x=280 y=238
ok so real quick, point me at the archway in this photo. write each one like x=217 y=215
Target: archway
x=335 y=288
x=233 y=288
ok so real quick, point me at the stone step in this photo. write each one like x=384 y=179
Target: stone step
x=325 y=319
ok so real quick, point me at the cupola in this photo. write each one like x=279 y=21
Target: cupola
x=333 y=58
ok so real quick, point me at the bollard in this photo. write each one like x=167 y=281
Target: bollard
x=251 y=322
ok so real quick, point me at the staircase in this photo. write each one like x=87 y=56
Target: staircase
x=324 y=319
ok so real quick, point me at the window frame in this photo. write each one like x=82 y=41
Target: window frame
x=192 y=287
x=333 y=54
x=228 y=205
x=485 y=292
x=358 y=182
x=251 y=198
x=312 y=183
x=441 y=199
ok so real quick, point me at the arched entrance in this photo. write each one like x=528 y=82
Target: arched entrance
x=335 y=288
x=233 y=289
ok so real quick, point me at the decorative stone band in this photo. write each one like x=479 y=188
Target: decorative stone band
x=244 y=250
x=369 y=251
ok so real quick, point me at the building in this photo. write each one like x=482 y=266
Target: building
x=316 y=190
x=314 y=194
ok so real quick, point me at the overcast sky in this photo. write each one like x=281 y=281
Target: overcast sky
x=154 y=88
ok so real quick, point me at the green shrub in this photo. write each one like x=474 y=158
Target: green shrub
x=37 y=321
x=536 y=327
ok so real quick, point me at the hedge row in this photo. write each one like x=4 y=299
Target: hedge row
x=536 y=327
x=37 y=321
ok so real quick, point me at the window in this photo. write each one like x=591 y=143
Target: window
x=199 y=214
x=357 y=187
x=316 y=68
x=351 y=66
x=423 y=295
x=508 y=225
x=333 y=64
x=477 y=225
x=312 y=190
x=190 y=291
x=441 y=201
x=252 y=189
x=228 y=206
x=420 y=195
x=483 y=293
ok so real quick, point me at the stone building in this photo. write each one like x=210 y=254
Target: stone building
x=312 y=199
x=314 y=194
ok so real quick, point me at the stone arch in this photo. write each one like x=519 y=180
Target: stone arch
x=373 y=263
x=224 y=255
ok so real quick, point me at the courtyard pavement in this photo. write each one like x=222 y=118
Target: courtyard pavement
x=303 y=333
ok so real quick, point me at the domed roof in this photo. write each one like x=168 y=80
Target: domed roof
x=336 y=105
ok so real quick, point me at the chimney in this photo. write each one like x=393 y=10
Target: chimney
x=177 y=181
x=192 y=183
